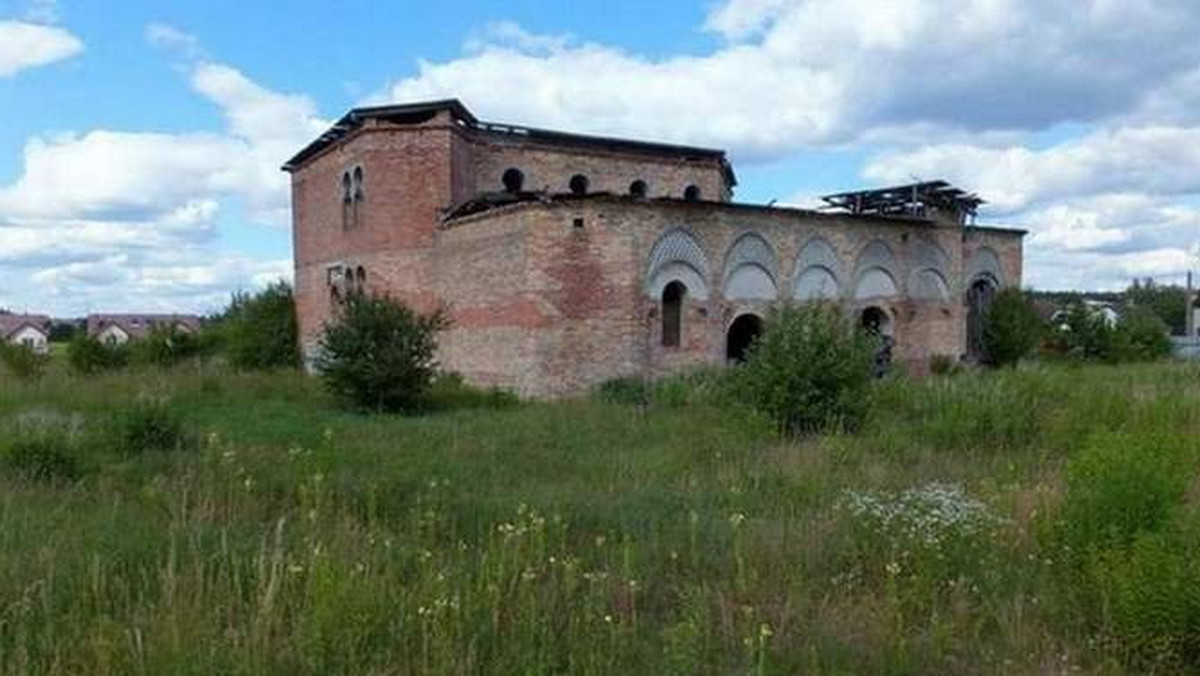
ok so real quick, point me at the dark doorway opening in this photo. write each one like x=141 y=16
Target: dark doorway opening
x=979 y=298
x=876 y=323
x=742 y=333
x=672 y=313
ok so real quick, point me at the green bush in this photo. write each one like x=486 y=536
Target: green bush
x=1011 y=328
x=810 y=370
x=944 y=365
x=46 y=455
x=1151 y=590
x=146 y=425
x=167 y=346
x=1120 y=486
x=1147 y=335
x=448 y=391
x=258 y=332
x=23 y=362
x=88 y=356
x=627 y=390
x=379 y=355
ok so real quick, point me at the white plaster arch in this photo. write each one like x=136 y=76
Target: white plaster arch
x=751 y=268
x=875 y=282
x=677 y=256
x=929 y=284
x=818 y=272
x=984 y=262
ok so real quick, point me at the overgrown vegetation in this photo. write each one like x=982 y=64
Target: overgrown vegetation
x=1011 y=328
x=258 y=331
x=810 y=369
x=1040 y=519
x=378 y=355
x=89 y=356
x=1087 y=335
x=22 y=361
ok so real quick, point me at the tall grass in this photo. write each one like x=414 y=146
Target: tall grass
x=674 y=535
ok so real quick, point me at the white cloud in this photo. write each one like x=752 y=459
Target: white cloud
x=28 y=45
x=126 y=220
x=798 y=72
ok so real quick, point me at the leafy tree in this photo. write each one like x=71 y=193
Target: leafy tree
x=1146 y=332
x=258 y=331
x=63 y=332
x=810 y=370
x=23 y=362
x=1168 y=303
x=88 y=356
x=379 y=355
x=166 y=346
x=1011 y=328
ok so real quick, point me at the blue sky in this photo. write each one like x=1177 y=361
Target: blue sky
x=141 y=140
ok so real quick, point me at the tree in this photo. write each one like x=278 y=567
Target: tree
x=88 y=356
x=1168 y=303
x=22 y=361
x=810 y=370
x=1011 y=328
x=258 y=331
x=379 y=355
x=1147 y=335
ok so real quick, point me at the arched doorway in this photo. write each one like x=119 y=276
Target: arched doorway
x=741 y=335
x=876 y=323
x=979 y=298
x=672 y=313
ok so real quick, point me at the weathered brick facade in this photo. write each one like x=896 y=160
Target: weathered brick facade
x=550 y=292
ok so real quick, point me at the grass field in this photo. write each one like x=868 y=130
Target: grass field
x=284 y=536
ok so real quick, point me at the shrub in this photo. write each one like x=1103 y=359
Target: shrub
x=448 y=391
x=379 y=355
x=23 y=362
x=88 y=356
x=627 y=390
x=810 y=369
x=146 y=425
x=47 y=455
x=258 y=332
x=944 y=365
x=1120 y=486
x=1147 y=335
x=1152 y=594
x=1011 y=328
x=166 y=346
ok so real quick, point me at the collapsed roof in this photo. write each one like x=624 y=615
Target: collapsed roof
x=915 y=199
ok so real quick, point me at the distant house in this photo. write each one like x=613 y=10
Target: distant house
x=118 y=329
x=29 y=330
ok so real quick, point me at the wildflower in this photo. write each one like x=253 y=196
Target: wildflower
x=737 y=519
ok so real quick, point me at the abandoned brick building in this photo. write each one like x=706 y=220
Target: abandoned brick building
x=565 y=260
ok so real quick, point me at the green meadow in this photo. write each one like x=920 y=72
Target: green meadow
x=1040 y=520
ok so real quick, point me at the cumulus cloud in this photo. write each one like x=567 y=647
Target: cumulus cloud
x=128 y=219
x=791 y=73
x=25 y=45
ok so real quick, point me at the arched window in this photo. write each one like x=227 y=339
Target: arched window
x=638 y=188
x=360 y=281
x=692 y=193
x=347 y=200
x=579 y=184
x=672 y=313
x=513 y=179
x=359 y=191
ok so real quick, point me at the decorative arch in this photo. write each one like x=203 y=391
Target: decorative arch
x=984 y=263
x=751 y=268
x=929 y=284
x=875 y=283
x=874 y=272
x=818 y=273
x=676 y=256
